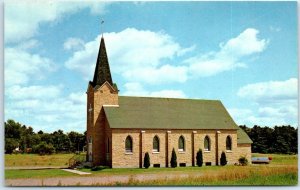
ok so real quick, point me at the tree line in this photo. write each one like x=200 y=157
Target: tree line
x=280 y=139
x=20 y=138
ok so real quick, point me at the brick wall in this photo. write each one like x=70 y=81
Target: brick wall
x=121 y=159
x=97 y=126
x=194 y=140
x=230 y=154
x=244 y=150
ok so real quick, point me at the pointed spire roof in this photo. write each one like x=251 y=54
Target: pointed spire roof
x=102 y=71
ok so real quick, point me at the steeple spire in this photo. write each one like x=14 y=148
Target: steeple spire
x=102 y=71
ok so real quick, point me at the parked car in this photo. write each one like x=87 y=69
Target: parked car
x=260 y=160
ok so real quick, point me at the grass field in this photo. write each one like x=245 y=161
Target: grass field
x=281 y=159
x=283 y=170
x=20 y=160
x=16 y=174
x=228 y=175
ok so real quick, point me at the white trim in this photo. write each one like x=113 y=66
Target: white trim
x=128 y=153
x=206 y=151
x=155 y=152
x=110 y=86
x=106 y=105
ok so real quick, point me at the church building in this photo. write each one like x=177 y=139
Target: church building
x=121 y=129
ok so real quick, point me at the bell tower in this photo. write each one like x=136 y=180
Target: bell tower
x=101 y=92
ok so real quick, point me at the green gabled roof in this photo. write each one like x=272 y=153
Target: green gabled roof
x=168 y=113
x=171 y=113
x=242 y=137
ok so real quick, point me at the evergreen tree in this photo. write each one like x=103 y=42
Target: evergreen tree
x=146 y=160
x=223 y=160
x=173 y=159
x=10 y=145
x=199 y=158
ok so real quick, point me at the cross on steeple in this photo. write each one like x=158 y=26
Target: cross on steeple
x=102 y=24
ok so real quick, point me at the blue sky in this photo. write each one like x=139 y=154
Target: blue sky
x=242 y=53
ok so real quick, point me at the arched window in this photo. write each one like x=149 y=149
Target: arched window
x=128 y=144
x=228 y=143
x=207 y=143
x=181 y=145
x=156 y=144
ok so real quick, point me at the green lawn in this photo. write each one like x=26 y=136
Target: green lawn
x=15 y=174
x=15 y=160
x=131 y=171
x=283 y=170
x=284 y=159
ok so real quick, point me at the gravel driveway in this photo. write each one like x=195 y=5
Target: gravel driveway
x=88 y=181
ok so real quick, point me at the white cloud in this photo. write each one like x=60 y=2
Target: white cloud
x=136 y=89
x=133 y=53
x=45 y=107
x=22 y=19
x=73 y=44
x=78 y=98
x=164 y=74
x=33 y=92
x=145 y=56
x=271 y=91
x=251 y=118
x=239 y=115
x=276 y=102
x=245 y=43
x=21 y=66
x=29 y=44
x=229 y=56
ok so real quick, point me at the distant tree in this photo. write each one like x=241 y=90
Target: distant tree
x=173 y=159
x=223 y=160
x=10 y=145
x=77 y=141
x=280 y=139
x=146 y=160
x=61 y=141
x=199 y=158
x=25 y=137
x=44 y=148
x=46 y=137
x=12 y=129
